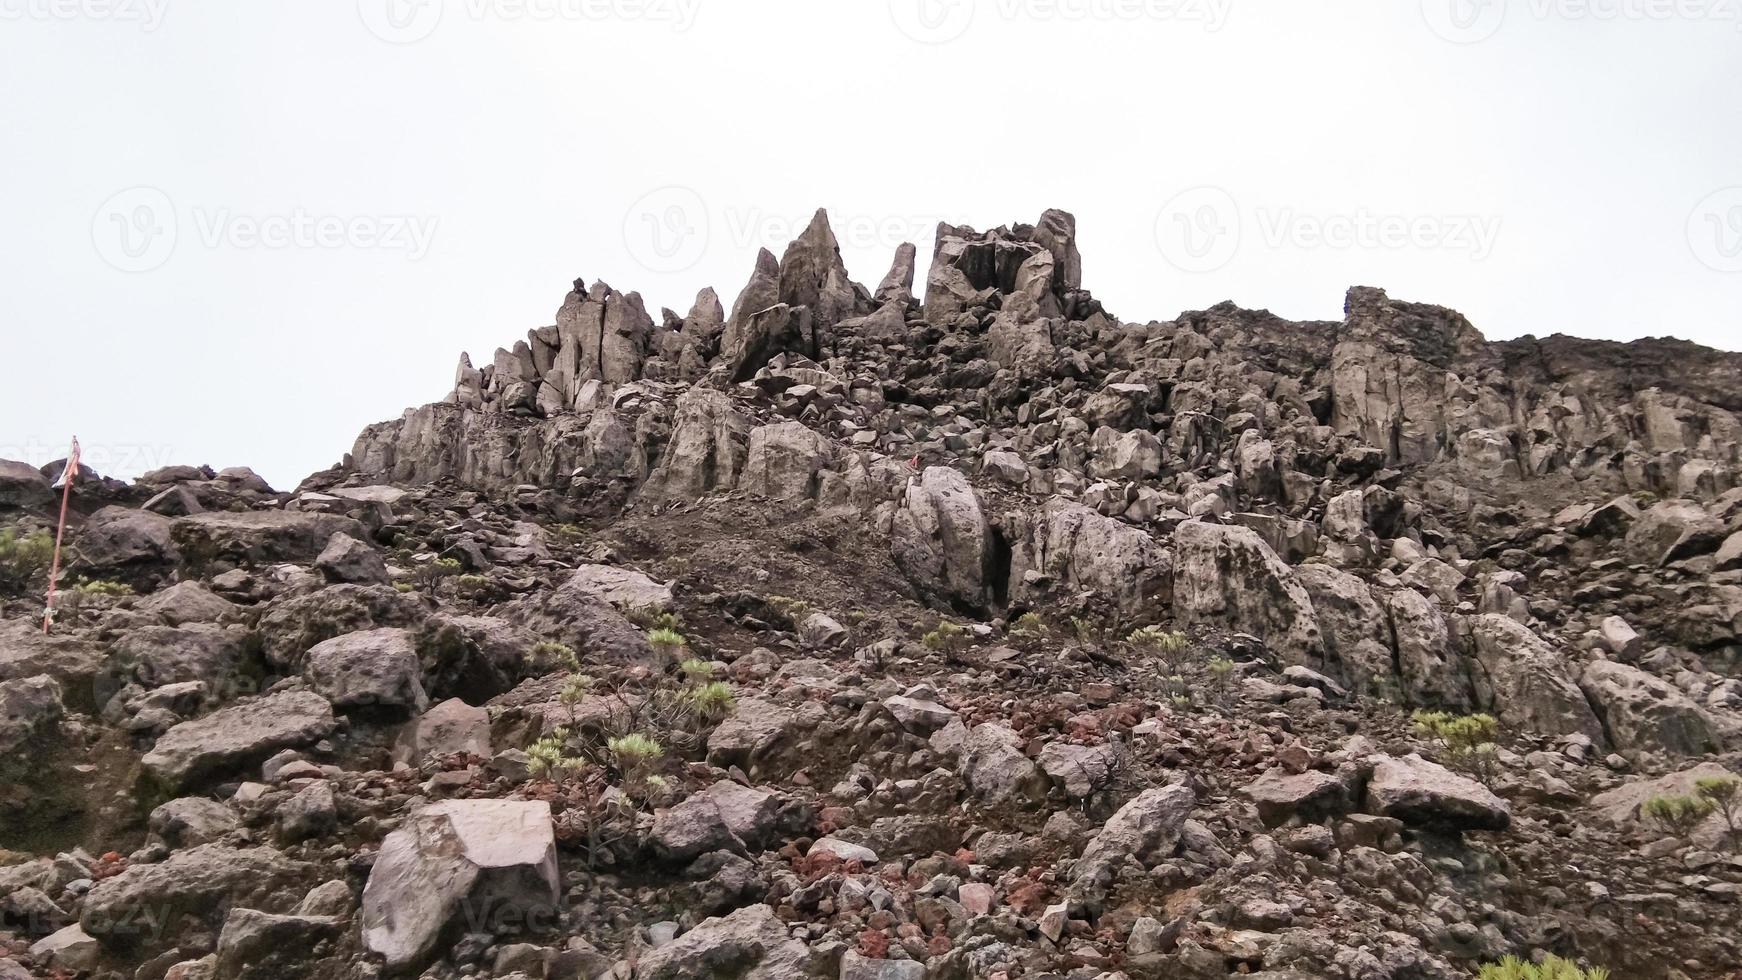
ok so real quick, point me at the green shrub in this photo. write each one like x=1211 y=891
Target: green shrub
x=1028 y=625
x=1676 y=815
x=1724 y=794
x=1468 y=740
x=667 y=643
x=548 y=656
x=23 y=557
x=1551 y=968
x=1168 y=647
x=946 y=638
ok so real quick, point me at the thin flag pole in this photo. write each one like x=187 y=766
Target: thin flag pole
x=68 y=474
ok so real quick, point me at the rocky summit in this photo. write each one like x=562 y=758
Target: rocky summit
x=951 y=629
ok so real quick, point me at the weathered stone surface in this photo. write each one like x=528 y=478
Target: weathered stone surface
x=710 y=442
x=21 y=486
x=628 y=590
x=786 y=461
x=260 y=536
x=1072 y=549
x=1228 y=576
x=371 y=669
x=942 y=540
x=495 y=857
x=450 y=728
x=1311 y=796
x=1142 y=831
x=1525 y=683
x=191 y=820
x=159 y=655
x=1639 y=711
x=750 y=944
x=1426 y=794
x=241 y=735
x=1620 y=807
x=1432 y=671
x=1356 y=635
x=1671 y=530
x=262 y=946
x=128 y=909
x=29 y=709
x=345 y=559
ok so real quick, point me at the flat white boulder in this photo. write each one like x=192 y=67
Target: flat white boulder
x=496 y=858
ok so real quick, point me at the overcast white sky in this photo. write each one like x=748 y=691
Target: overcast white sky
x=236 y=233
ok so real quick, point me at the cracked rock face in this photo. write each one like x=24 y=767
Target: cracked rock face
x=955 y=628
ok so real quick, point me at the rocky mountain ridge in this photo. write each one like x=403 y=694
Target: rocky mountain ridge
x=1052 y=645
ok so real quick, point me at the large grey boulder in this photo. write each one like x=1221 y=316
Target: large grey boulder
x=187 y=602
x=1525 y=683
x=450 y=728
x=132 y=907
x=942 y=540
x=30 y=707
x=117 y=541
x=191 y=820
x=786 y=461
x=493 y=855
x=749 y=944
x=241 y=735
x=291 y=626
x=763 y=734
x=1142 y=832
x=1427 y=794
x=1312 y=796
x=726 y=816
x=22 y=485
x=996 y=770
x=262 y=946
x=710 y=441
x=371 y=669
x=1671 y=530
x=261 y=536
x=80 y=666
x=1431 y=669
x=628 y=590
x=1227 y=576
x=1640 y=711
x=1356 y=635
x=1072 y=549
x=345 y=559
x=572 y=614
x=158 y=655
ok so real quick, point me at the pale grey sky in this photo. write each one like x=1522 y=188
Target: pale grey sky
x=236 y=233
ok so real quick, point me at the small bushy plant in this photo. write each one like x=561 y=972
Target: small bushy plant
x=1676 y=815
x=1468 y=740
x=1167 y=647
x=1551 y=968
x=947 y=638
x=23 y=557
x=1724 y=794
